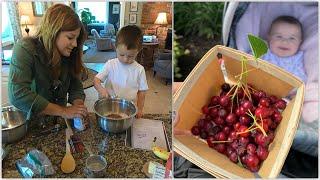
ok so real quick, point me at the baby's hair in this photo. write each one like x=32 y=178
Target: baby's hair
x=130 y=36
x=289 y=20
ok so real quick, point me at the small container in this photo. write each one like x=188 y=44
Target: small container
x=95 y=166
x=79 y=124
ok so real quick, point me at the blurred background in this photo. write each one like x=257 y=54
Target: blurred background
x=198 y=27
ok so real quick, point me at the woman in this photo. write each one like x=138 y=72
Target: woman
x=45 y=69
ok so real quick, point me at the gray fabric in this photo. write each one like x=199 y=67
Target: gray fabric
x=185 y=169
x=306 y=138
x=242 y=7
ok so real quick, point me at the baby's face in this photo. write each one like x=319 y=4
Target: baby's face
x=126 y=56
x=284 y=39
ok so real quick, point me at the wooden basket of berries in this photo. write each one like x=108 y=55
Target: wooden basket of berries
x=233 y=104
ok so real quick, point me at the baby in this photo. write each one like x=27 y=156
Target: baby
x=123 y=76
x=284 y=38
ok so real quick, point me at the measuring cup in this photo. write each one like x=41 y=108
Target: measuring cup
x=95 y=165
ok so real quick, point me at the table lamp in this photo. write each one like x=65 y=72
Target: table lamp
x=161 y=20
x=25 y=20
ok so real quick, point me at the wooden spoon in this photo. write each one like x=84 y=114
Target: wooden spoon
x=68 y=163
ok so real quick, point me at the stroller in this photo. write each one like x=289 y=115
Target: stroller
x=241 y=18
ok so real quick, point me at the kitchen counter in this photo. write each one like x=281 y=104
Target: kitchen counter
x=123 y=161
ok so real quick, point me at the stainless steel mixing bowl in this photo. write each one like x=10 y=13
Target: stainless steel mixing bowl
x=14 y=125
x=107 y=107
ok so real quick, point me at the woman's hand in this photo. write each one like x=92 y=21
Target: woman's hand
x=76 y=110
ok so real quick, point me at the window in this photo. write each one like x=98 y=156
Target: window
x=7 y=35
x=97 y=9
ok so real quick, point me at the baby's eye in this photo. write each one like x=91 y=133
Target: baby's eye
x=279 y=36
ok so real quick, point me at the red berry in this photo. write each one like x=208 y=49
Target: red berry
x=207 y=125
x=210 y=141
x=247 y=105
x=280 y=104
x=195 y=130
x=224 y=101
x=214 y=112
x=244 y=120
x=252 y=160
x=262 y=112
x=261 y=94
x=277 y=117
x=233 y=157
x=243 y=141
x=205 y=110
x=273 y=99
x=220 y=147
x=242 y=129
x=240 y=111
x=251 y=148
x=253 y=169
x=240 y=94
x=271 y=136
x=221 y=136
x=265 y=102
x=262 y=153
x=231 y=119
x=222 y=113
x=262 y=140
x=219 y=121
x=214 y=100
x=201 y=123
x=203 y=134
x=226 y=130
x=236 y=126
x=225 y=87
x=232 y=136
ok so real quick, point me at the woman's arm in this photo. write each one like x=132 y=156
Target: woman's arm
x=20 y=80
x=76 y=110
x=140 y=102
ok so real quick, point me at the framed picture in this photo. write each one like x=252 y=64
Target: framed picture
x=116 y=9
x=133 y=18
x=133 y=6
x=38 y=8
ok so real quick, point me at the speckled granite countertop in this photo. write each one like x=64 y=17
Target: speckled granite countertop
x=123 y=161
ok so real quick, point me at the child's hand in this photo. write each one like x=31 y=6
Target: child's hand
x=139 y=114
x=103 y=93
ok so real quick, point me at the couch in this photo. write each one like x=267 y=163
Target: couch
x=103 y=43
x=163 y=66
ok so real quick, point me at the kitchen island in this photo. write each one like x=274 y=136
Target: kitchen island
x=123 y=161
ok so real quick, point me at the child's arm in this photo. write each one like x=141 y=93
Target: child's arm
x=140 y=102
x=101 y=90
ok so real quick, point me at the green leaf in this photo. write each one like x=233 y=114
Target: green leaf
x=258 y=46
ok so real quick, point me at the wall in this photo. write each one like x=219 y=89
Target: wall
x=25 y=8
x=128 y=12
x=149 y=15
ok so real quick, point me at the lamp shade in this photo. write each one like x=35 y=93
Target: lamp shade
x=25 y=20
x=162 y=18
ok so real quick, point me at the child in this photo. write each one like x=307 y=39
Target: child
x=284 y=38
x=123 y=76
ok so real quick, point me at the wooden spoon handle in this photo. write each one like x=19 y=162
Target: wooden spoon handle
x=67 y=141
